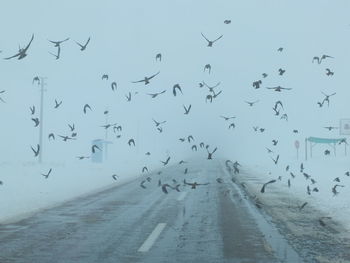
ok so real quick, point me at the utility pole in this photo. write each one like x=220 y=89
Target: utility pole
x=42 y=89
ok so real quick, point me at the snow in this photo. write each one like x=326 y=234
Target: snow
x=26 y=191
x=284 y=202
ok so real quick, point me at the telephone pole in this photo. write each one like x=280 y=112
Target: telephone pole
x=42 y=89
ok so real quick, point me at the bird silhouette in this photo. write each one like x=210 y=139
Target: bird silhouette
x=227 y=22
x=190 y=138
x=159 y=57
x=105 y=76
x=146 y=79
x=144 y=169
x=256 y=84
x=176 y=87
x=131 y=142
x=66 y=138
x=302 y=206
x=262 y=190
x=32 y=110
x=251 y=103
x=194 y=148
x=47 y=174
x=22 y=52
x=57 y=104
x=227 y=118
x=211 y=88
x=83 y=47
x=166 y=161
x=165 y=186
x=207 y=67
x=36 y=79
x=37 y=151
x=86 y=106
x=331 y=128
x=114 y=86
x=275 y=160
x=329 y=72
x=83 y=157
x=280 y=49
x=128 y=97
x=154 y=95
x=187 y=109
x=281 y=71
x=94 y=148
x=278 y=88
x=71 y=127
x=36 y=122
x=210 y=154
x=210 y=43
x=232 y=125
x=326 y=99
x=57 y=56
x=157 y=123
x=194 y=184
x=51 y=136
x=58 y=43
x=274 y=142
x=115 y=177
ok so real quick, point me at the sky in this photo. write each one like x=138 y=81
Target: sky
x=125 y=38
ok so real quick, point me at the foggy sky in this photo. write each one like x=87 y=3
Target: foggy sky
x=126 y=36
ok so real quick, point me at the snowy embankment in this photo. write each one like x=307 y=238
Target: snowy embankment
x=26 y=191
x=301 y=216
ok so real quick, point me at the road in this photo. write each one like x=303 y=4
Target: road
x=212 y=223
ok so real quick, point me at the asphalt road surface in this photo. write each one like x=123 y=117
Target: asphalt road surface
x=212 y=223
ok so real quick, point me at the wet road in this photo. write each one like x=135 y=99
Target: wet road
x=212 y=223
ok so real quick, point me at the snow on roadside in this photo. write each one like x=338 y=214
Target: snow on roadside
x=25 y=190
x=324 y=218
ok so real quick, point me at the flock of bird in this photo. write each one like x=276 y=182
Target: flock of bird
x=212 y=94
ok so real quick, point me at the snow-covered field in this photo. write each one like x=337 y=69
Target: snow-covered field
x=25 y=190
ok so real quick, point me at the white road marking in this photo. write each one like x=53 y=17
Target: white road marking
x=182 y=196
x=152 y=238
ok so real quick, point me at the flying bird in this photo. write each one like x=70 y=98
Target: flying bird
x=51 y=136
x=36 y=122
x=251 y=103
x=114 y=85
x=227 y=118
x=48 y=173
x=146 y=79
x=278 y=88
x=187 y=109
x=83 y=47
x=94 y=147
x=22 y=52
x=210 y=43
x=166 y=161
x=131 y=142
x=86 y=106
x=32 y=110
x=71 y=127
x=227 y=22
x=164 y=188
x=256 y=84
x=265 y=184
x=36 y=152
x=329 y=72
x=281 y=71
x=66 y=138
x=105 y=76
x=207 y=67
x=154 y=95
x=158 y=123
x=159 y=57
x=275 y=160
x=194 y=184
x=210 y=154
x=58 y=43
x=57 y=104
x=176 y=87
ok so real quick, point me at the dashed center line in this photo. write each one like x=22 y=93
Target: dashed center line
x=182 y=196
x=152 y=238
